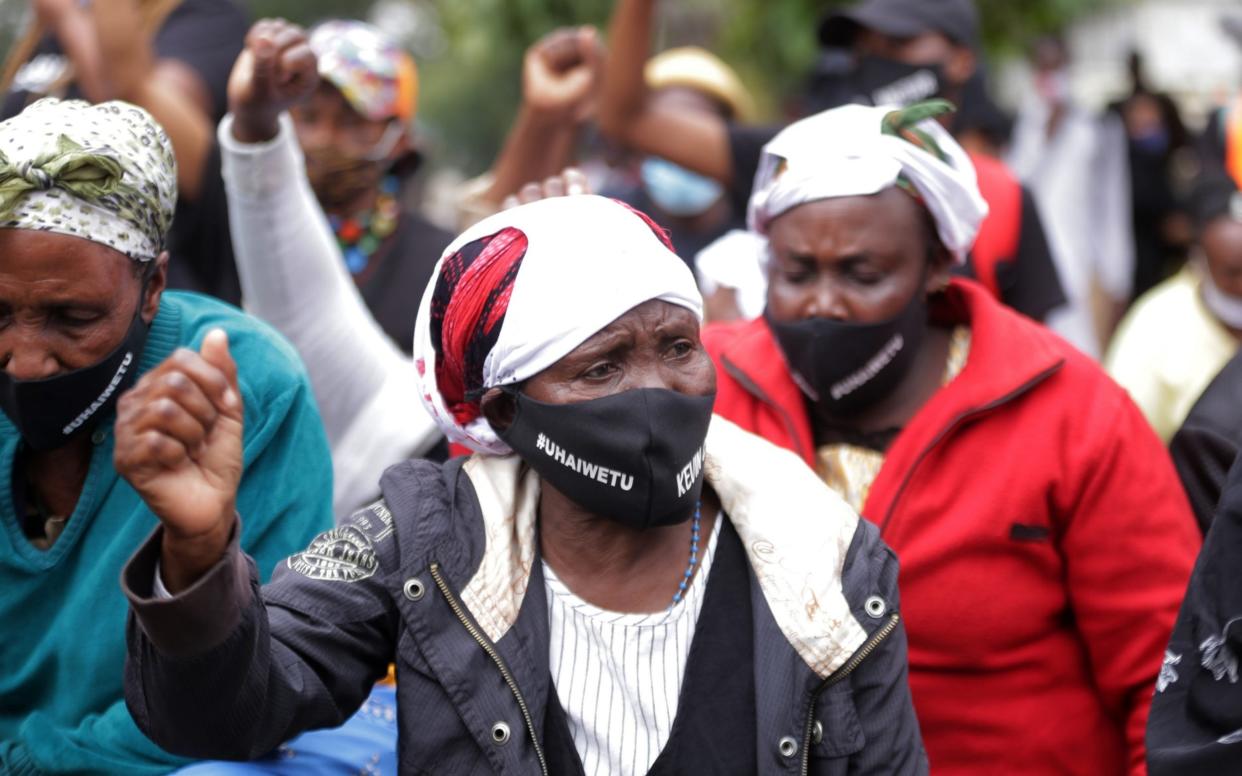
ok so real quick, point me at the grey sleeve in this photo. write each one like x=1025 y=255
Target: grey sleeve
x=880 y=685
x=228 y=670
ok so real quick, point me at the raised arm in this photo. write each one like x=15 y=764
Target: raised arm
x=214 y=669
x=293 y=276
x=627 y=115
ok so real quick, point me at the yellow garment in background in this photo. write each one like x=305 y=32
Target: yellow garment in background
x=850 y=469
x=1167 y=349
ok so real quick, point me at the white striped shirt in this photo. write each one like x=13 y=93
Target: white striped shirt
x=618 y=676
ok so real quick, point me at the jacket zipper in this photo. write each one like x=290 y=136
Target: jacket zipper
x=952 y=425
x=496 y=658
x=838 y=676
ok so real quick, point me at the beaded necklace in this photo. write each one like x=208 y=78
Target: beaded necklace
x=361 y=235
x=694 y=556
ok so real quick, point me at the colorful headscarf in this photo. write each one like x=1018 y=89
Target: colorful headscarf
x=375 y=75
x=521 y=289
x=858 y=150
x=105 y=173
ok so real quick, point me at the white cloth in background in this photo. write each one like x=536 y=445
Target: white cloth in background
x=588 y=261
x=293 y=277
x=1080 y=179
x=735 y=260
x=842 y=152
x=618 y=676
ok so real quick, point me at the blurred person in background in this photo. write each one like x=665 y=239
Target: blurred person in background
x=1156 y=137
x=356 y=135
x=1220 y=144
x=1076 y=166
x=1177 y=337
x=171 y=57
x=900 y=51
x=1044 y=539
x=84 y=318
x=694 y=208
x=302 y=286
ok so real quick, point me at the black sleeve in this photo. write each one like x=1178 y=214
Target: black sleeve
x=225 y=671
x=199 y=244
x=745 y=147
x=1202 y=456
x=1205 y=447
x=206 y=35
x=1029 y=283
x=1195 y=725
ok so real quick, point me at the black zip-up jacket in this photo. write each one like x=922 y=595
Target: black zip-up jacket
x=435 y=577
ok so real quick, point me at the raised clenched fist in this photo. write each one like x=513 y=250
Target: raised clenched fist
x=561 y=71
x=275 y=71
x=179 y=444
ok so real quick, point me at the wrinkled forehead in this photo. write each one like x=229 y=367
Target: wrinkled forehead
x=48 y=267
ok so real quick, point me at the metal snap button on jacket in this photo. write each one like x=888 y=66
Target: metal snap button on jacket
x=414 y=589
x=788 y=747
x=875 y=606
x=500 y=733
x=817 y=735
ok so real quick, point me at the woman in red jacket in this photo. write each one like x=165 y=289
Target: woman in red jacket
x=1044 y=539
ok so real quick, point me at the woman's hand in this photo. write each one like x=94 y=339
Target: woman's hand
x=560 y=73
x=571 y=181
x=275 y=71
x=179 y=444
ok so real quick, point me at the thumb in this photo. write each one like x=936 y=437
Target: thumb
x=215 y=351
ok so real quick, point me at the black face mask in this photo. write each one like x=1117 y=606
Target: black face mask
x=882 y=81
x=845 y=367
x=635 y=457
x=50 y=412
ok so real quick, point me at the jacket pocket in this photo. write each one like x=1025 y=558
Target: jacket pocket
x=836 y=734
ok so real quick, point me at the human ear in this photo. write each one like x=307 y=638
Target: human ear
x=157 y=281
x=499 y=408
x=939 y=269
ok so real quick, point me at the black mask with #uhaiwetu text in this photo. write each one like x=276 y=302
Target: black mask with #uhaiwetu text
x=51 y=411
x=846 y=366
x=635 y=457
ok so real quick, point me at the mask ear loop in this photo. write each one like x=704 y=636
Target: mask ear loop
x=383 y=148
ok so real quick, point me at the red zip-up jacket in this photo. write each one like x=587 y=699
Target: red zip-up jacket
x=1045 y=542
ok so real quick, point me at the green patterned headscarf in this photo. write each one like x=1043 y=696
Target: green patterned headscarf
x=105 y=173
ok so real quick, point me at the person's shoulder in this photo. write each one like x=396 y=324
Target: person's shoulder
x=266 y=361
x=1161 y=319
x=719 y=335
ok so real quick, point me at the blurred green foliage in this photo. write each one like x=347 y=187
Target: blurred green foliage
x=470 y=77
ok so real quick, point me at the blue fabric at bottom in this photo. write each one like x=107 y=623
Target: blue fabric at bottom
x=365 y=745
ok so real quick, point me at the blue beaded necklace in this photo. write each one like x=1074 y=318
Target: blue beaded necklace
x=694 y=556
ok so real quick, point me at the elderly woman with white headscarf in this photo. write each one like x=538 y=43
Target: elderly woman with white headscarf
x=1044 y=539
x=614 y=582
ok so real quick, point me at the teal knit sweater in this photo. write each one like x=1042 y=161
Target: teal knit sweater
x=62 y=651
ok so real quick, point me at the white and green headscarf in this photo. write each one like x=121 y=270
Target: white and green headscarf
x=105 y=173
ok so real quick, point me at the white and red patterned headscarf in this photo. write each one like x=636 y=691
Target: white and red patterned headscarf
x=520 y=290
